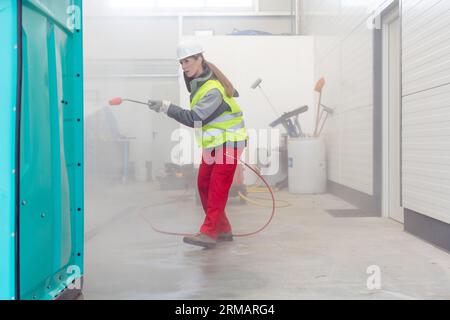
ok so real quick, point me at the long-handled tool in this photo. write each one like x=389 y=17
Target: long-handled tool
x=118 y=101
x=318 y=88
x=328 y=112
x=257 y=84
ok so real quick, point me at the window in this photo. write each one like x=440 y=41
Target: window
x=180 y=3
x=229 y=3
x=183 y=4
x=132 y=4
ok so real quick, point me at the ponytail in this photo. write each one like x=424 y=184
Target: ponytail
x=229 y=89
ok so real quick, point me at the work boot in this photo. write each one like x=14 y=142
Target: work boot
x=201 y=240
x=225 y=236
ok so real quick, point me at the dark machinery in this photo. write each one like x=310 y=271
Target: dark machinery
x=177 y=177
x=290 y=122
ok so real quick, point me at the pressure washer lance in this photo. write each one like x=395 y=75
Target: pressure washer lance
x=118 y=101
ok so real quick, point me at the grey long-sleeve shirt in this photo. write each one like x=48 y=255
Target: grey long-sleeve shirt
x=209 y=107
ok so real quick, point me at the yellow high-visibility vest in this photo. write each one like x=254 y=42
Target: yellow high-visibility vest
x=228 y=127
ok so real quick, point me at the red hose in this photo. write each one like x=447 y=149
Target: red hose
x=234 y=235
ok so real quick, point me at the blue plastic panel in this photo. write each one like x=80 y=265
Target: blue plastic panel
x=8 y=80
x=51 y=174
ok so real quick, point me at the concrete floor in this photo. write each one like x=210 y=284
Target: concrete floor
x=306 y=253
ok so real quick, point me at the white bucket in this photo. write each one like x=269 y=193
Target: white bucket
x=307 y=166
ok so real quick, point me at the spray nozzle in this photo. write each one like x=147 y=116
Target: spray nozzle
x=115 y=102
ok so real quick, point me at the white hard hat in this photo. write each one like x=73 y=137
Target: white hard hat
x=188 y=48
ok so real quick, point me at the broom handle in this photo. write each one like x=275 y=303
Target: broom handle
x=323 y=124
x=317 y=115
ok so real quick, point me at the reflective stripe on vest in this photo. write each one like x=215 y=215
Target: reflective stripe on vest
x=228 y=127
x=214 y=132
x=225 y=117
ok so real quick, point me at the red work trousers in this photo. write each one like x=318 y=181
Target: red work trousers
x=215 y=178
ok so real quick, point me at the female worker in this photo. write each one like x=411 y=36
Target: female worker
x=214 y=110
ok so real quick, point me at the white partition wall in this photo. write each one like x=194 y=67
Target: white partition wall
x=284 y=63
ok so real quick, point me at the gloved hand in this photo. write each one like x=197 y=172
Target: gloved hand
x=159 y=105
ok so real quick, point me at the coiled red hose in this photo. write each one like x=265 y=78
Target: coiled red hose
x=234 y=235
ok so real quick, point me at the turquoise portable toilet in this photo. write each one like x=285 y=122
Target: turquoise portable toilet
x=41 y=149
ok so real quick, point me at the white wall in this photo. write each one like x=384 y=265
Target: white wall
x=426 y=107
x=344 y=56
x=284 y=64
